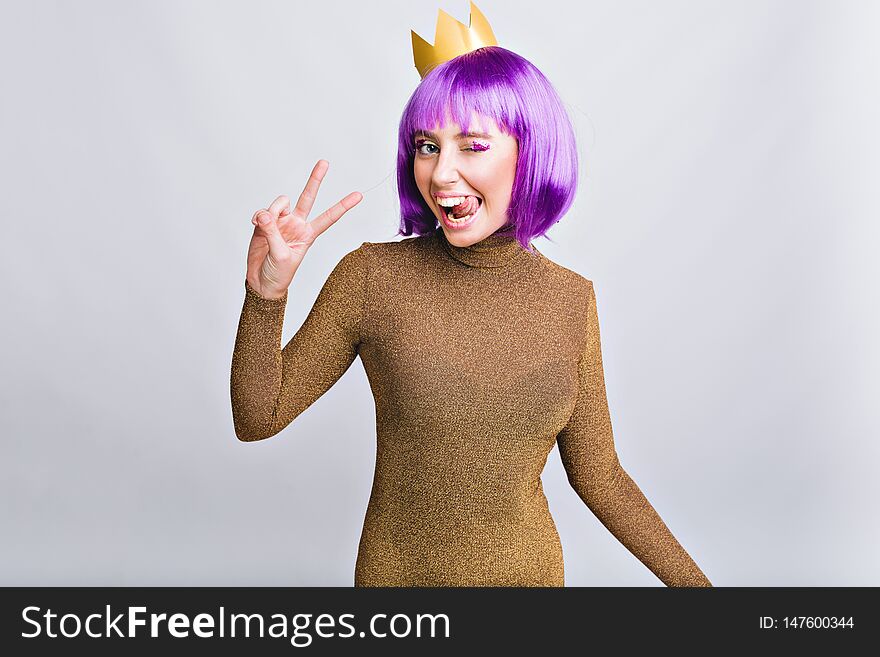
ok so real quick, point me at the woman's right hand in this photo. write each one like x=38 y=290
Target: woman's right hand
x=281 y=237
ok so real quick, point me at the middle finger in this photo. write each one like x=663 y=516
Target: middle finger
x=307 y=198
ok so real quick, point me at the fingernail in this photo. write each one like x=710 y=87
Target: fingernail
x=263 y=219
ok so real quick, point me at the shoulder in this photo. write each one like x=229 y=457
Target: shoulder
x=369 y=253
x=359 y=266
x=390 y=248
x=567 y=278
x=384 y=254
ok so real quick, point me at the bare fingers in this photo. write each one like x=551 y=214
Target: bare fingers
x=310 y=192
x=332 y=214
x=280 y=206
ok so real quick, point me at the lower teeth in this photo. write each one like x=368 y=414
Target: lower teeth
x=460 y=220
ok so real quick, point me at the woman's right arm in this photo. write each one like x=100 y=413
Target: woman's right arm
x=269 y=385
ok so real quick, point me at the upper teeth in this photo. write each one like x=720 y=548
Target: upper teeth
x=449 y=201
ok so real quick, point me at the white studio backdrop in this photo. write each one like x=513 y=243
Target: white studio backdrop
x=727 y=214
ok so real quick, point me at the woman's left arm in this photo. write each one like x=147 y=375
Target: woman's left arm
x=586 y=446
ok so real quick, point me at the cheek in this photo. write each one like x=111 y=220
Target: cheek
x=506 y=175
x=496 y=184
x=421 y=176
x=423 y=170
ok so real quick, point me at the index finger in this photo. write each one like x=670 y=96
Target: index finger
x=307 y=198
x=329 y=217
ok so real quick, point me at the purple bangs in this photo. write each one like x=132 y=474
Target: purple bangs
x=497 y=83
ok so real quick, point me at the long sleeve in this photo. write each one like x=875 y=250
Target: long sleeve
x=271 y=386
x=586 y=446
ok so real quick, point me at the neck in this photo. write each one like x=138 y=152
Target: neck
x=496 y=250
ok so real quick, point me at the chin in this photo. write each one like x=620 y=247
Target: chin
x=463 y=236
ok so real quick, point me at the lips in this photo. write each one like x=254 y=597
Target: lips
x=452 y=195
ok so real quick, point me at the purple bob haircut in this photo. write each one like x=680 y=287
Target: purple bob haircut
x=497 y=83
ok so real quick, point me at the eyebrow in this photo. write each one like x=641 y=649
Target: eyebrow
x=460 y=135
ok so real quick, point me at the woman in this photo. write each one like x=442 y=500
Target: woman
x=481 y=353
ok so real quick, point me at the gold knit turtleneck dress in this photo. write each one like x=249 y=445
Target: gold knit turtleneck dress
x=480 y=359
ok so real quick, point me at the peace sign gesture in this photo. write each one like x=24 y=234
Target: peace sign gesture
x=281 y=237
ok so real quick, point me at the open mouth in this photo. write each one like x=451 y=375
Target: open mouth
x=464 y=212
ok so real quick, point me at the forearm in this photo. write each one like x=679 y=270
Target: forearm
x=623 y=509
x=256 y=375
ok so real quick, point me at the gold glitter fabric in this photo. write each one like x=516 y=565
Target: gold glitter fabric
x=480 y=360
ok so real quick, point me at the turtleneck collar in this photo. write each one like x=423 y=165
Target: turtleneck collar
x=496 y=250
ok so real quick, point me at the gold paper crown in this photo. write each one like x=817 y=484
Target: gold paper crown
x=451 y=39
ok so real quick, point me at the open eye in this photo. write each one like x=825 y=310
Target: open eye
x=422 y=143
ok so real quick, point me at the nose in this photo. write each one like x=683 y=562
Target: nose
x=445 y=171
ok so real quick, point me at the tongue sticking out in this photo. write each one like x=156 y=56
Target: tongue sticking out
x=469 y=206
